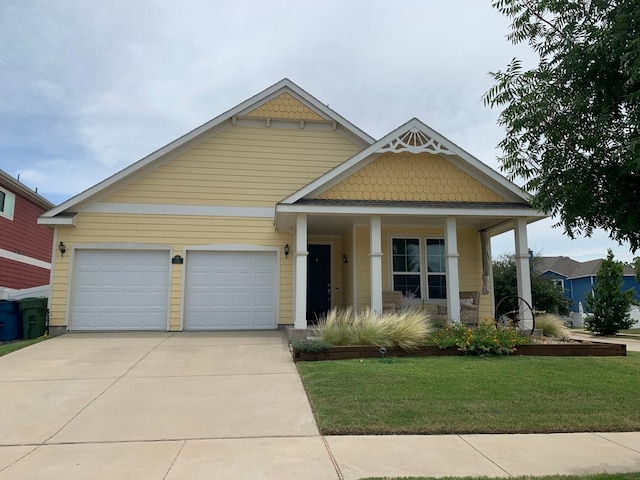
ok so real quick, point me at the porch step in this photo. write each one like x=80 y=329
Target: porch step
x=295 y=335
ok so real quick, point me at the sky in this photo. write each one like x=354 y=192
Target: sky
x=88 y=87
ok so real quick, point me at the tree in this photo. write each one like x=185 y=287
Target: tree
x=545 y=295
x=636 y=267
x=573 y=121
x=609 y=304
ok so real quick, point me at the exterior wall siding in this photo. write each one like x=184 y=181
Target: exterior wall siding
x=580 y=287
x=284 y=106
x=175 y=232
x=241 y=166
x=23 y=235
x=18 y=275
x=469 y=263
x=405 y=176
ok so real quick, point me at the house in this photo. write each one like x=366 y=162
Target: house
x=274 y=212
x=576 y=279
x=25 y=246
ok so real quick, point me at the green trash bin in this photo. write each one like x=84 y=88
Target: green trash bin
x=34 y=316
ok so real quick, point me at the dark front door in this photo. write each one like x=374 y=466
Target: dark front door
x=318 y=281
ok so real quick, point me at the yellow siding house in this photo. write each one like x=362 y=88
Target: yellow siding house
x=276 y=211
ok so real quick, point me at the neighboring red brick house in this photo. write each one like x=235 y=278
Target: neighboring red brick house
x=25 y=246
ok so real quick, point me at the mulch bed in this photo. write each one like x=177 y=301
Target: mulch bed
x=570 y=349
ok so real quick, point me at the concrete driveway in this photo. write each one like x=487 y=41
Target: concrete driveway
x=157 y=406
x=168 y=406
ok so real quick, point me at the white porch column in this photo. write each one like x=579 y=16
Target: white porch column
x=523 y=274
x=376 y=263
x=300 y=273
x=451 y=266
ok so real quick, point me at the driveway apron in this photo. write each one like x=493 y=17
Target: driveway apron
x=157 y=405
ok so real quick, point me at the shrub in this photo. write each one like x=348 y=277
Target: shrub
x=609 y=304
x=406 y=329
x=482 y=340
x=312 y=346
x=552 y=326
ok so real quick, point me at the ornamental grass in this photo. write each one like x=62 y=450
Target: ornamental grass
x=406 y=329
x=552 y=326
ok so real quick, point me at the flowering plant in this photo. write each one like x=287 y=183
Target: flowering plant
x=485 y=339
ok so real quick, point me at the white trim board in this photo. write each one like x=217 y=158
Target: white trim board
x=17 y=257
x=508 y=211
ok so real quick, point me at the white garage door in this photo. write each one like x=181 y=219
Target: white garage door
x=230 y=290
x=120 y=290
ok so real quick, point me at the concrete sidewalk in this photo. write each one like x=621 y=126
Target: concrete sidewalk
x=633 y=344
x=168 y=406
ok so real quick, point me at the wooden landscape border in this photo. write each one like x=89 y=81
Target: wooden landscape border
x=577 y=349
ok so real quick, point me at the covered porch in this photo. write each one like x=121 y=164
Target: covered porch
x=353 y=253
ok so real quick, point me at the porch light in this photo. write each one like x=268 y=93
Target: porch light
x=62 y=249
x=286 y=250
x=345 y=259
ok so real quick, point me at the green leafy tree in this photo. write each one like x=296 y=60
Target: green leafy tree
x=572 y=122
x=608 y=303
x=636 y=267
x=545 y=295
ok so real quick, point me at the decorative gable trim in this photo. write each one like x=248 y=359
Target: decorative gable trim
x=415 y=141
x=204 y=131
x=405 y=138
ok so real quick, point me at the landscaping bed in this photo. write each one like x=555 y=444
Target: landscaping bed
x=569 y=349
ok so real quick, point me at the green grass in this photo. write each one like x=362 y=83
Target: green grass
x=13 y=346
x=633 y=331
x=455 y=395
x=601 y=476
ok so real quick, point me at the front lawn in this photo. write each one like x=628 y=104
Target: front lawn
x=7 y=348
x=601 y=476
x=444 y=395
x=632 y=331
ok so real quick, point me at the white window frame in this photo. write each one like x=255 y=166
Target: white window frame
x=9 y=204
x=423 y=273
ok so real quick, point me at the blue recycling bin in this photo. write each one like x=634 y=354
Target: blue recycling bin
x=10 y=321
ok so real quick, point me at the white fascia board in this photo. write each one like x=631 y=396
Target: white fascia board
x=565 y=277
x=473 y=161
x=205 y=129
x=410 y=211
x=467 y=163
x=171 y=150
x=170 y=209
x=42 y=220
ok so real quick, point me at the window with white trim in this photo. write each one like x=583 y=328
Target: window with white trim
x=7 y=202
x=418 y=267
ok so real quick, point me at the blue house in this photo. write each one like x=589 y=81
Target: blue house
x=578 y=278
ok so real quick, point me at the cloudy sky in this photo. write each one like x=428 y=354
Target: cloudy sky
x=88 y=87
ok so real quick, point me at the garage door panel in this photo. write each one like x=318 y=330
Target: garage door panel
x=230 y=290
x=120 y=290
x=264 y=280
x=264 y=299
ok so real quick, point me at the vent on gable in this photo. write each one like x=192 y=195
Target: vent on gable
x=414 y=141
